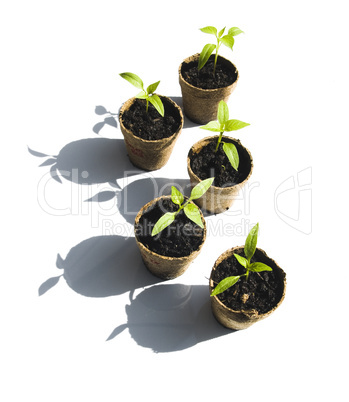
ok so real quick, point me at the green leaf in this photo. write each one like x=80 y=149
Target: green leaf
x=200 y=189
x=225 y=284
x=232 y=154
x=205 y=54
x=222 y=113
x=259 y=267
x=142 y=95
x=209 y=30
x=232 y=125
x=212 y=126
x=241 y=260
x=251 y=242
x=163 y=222
x=235 y=31
x=133 y=79
x=157 y=103
x=228 y=41
x=176 y=196
x=221 y=32
x=152 y=87
x=193 y=213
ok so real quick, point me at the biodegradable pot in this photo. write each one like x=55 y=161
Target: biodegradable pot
x=201 y=105
x=162 y=266
x=243 y=319
x=149 y=154
x=219 y=199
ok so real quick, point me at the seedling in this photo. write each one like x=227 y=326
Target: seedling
x=147 y=94
x=249 y=250
x=227 y=40
x=190 y=210
x=224 y=124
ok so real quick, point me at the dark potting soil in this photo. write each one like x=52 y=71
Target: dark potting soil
x=151 y=125
x=179 y=239
x=262 y=291
x=208 y=163
x=205 y=78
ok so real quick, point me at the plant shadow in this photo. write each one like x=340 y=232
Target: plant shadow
x=139 y=192
x=109 y=120
x=102 y=266
x=171 y=317
x=89 y=161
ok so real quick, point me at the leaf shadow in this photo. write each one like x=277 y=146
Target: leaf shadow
x=102 y=266
x=139 y=192
x=109 y=120
x=136 y=194
x=90 y=161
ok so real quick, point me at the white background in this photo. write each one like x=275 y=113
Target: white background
x=66 y=337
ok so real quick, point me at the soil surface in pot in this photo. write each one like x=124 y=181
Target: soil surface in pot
x=262 y=291
x=179 y=239
x=208 y=163
x=151 y=125
x=205 y=79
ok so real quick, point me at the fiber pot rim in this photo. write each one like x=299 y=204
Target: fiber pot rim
x=195 y=57
x=246 y=314
x=128 y=103
x=204 y=141
x=183 y=258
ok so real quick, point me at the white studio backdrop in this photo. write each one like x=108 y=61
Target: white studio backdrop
x=71 y=331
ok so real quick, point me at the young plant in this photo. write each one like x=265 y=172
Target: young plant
x=224 y=124
x=227 y=40
x=148 y=93
x=249 y=250
x=190 y=210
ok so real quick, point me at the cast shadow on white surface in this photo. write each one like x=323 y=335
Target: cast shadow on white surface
x=170 y=318
x=102 y=266
x=89 y=161
x=139 y=192
x=109 y=120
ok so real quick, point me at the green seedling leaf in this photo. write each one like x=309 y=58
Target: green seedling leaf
x=212 y=126
x=259 y=267
x=200 y=189
x=157 y=103
x=133 y=79
x=176 y=196
x=193 y=213
x=251 y=242
x=228 y=41
x=142 y=95
x=222 y=113
x=232 y=154
x=249 y=249
x=225 y=284
x=235 y=31
x=163 y=222
x=209 y=30
x=232 y=125
x=221 y=32
x=241 y=260
x=190 y=210
x=205 y=54
x=152 y=87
